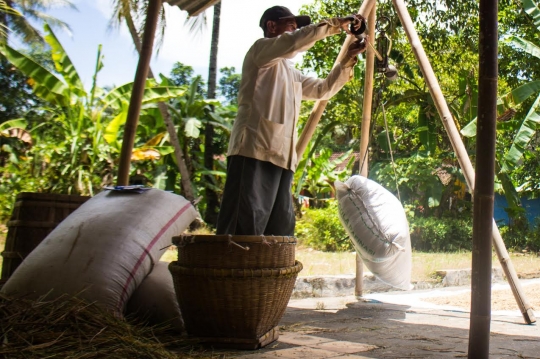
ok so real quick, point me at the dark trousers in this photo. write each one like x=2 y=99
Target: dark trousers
x=257 y=199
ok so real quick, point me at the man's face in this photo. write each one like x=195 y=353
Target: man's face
x=276 y=28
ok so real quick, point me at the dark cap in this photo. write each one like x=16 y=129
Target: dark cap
x=276 y=13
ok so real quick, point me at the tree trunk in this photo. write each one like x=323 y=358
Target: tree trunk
x=178 y=153
x=212 y=203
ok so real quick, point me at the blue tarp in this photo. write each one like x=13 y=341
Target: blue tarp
x=531 y=206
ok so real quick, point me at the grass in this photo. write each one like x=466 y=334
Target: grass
x=339 y=263
x=424 y=264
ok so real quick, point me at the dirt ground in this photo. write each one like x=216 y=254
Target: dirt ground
x=501 y=299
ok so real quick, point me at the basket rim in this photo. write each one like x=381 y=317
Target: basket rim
x=174 y=268
x=186 y=239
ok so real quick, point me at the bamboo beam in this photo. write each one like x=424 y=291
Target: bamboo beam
x=366 y=124
x=137 y=92
x=318 y=108
x=461 y=153
x=480 y=321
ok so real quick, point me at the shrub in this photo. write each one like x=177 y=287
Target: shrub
x=440 y=234
x=522 y=238
x=321 y=229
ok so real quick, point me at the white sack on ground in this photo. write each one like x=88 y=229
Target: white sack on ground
x=377 y=225
x=154 y=301
x=104 y=249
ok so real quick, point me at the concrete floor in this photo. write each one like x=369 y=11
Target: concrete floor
x=390 y=325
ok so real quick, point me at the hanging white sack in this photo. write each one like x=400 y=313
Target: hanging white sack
x=154 y=301
x=104 y=249
x=378 y=228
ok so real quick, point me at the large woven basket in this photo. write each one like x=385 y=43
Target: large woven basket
x=241 y=304
x=234 y=251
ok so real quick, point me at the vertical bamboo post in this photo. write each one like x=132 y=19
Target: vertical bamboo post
x=318 y=108
x=366 y=124
x=461 y=153
x=137 y=92
x=485 y=182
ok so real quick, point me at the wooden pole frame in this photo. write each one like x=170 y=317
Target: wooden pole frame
x=451 y=130
x=480 y=317
x=366 y=124
x=461 y=153
x=135 y=102
x=320 y=105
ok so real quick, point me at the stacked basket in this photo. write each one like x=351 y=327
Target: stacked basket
x=233 y=290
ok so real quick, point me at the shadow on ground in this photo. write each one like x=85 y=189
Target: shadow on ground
x=347 y=328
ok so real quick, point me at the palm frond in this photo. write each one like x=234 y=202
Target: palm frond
x=17 y=17
x=197 y=24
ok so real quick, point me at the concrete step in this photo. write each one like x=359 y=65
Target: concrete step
x=344 y=285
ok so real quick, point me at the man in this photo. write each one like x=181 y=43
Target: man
x=262 y=157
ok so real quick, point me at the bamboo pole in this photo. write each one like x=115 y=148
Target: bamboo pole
x=366 y=124
x=318 y=108
x=137 y=93
x=178 y=153
x=461 y=153
x=485 y=182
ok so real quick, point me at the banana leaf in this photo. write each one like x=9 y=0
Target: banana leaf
x=513 y=98
x=113 y=128
x=192 y=127
x=522 y=138
x=122 y=93
x=525 y=45
x=44 y=83
x=63 y=64
x=531 y=8
x=427 y=137
x=16 y=123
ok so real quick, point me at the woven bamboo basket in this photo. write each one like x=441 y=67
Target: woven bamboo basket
x=228 y=251
x=34 y=216
x=238 y=308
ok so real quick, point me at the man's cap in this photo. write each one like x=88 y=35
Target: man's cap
x=276 y=13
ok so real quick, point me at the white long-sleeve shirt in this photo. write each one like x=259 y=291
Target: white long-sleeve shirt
x=271 y=90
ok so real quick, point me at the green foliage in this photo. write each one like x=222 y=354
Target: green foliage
x=76 y=139
x=191 y=111
x=14 y=16
x=183 y=75
x=440 y=234
x=415 y=178
x=522 y=238
x=16 y=97
x=321 y=229
x=517 y=138
x=229 y=84
x=7 y=10
x=316 y=173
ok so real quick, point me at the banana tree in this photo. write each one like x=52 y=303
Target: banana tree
x=525 y=127
x=71 y=145
x=192 y=112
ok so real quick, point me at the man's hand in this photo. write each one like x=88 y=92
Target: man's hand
x=357 y=47
x=356 y=21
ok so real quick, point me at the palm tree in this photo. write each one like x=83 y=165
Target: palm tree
x=212 y=202
x=197 y=24
x=7 y=10
x=29 y=9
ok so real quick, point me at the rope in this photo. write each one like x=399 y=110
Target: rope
x=390 y=148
